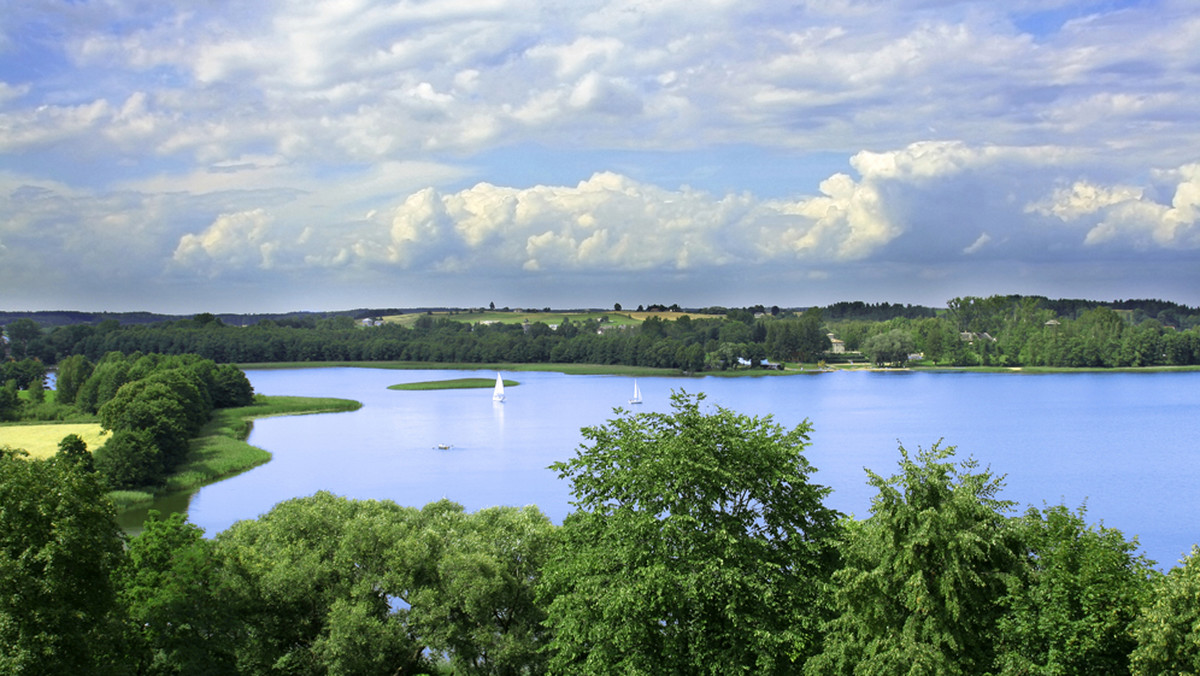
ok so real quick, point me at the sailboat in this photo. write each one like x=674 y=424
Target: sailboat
x=637 y=394
x=498 y=391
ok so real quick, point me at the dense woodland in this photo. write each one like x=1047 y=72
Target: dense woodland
x=699 y=546
x=996 y=331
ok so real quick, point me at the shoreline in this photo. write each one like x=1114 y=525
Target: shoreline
x=650 y=372
x=220 y=451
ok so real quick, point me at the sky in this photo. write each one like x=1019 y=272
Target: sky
x=232 y=156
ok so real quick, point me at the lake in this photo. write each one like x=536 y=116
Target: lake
x=1124 y=443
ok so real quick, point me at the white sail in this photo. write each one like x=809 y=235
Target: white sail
x=498 y=391
x=637 y=394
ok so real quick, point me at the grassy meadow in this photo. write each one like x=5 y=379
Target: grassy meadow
x=41 y=440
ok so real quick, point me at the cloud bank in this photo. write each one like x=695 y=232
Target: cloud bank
x=407 y=153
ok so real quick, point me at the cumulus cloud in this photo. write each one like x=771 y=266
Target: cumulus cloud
x=234 y=239
x=1123 y=215
x=611 y=222
x=985 y=203
x=1083 y=198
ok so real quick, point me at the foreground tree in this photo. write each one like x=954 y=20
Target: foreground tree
x=165 y=588
x=469 y=579
x=326 y=585
x=698 y=546
x=59 y=543
x=924 y=575
x=1168 y=630
x=305 y=582
x=1072 y=611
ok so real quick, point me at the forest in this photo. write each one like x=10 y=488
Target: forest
x=997 y=331
x=698 y=545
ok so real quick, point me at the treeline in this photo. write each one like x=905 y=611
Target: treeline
x=994 y=331
x=875 y=312
x=1028 y=331
x=700 y=545
x=686 y=344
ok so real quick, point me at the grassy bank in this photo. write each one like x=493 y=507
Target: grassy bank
x=221 y=451
x=453 y=384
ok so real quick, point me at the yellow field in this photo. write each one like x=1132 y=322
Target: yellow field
x=42 y=440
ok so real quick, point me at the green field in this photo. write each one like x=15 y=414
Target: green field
x=41 y=441
x=453 y=384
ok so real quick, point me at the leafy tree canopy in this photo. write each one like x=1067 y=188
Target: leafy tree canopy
x=699 y=546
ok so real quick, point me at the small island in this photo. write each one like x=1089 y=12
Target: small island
x=453 y=384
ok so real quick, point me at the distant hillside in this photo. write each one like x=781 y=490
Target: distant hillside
x=53 y=318
x=50 y=318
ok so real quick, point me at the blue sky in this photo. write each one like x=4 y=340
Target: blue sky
x=239 y=157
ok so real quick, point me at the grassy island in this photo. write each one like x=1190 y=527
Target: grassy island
x=452 y=384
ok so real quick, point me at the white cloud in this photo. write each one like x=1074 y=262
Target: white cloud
x=1083 y=198
x=983 y=199
x=431 y=75
x=979 y=244
x=9 y=92
x=1146 y=224
x=221 y=137
x=1123 y=215
x=237 y=239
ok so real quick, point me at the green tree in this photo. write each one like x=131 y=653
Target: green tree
x=309 y=584
x=1072 y=611
x=920 y=590
x=129 y=459
x=109 y=374
x=698 y=546
x=471 y=579
x=165 y=588
x=59 y=543
x=892 y=347
x=1168 y=629
x=231 y=387
x=797 y=339
x=21 y=333
x=10 y=401
x=73 y=449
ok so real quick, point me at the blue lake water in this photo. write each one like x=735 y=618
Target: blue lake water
x=1126 y=443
